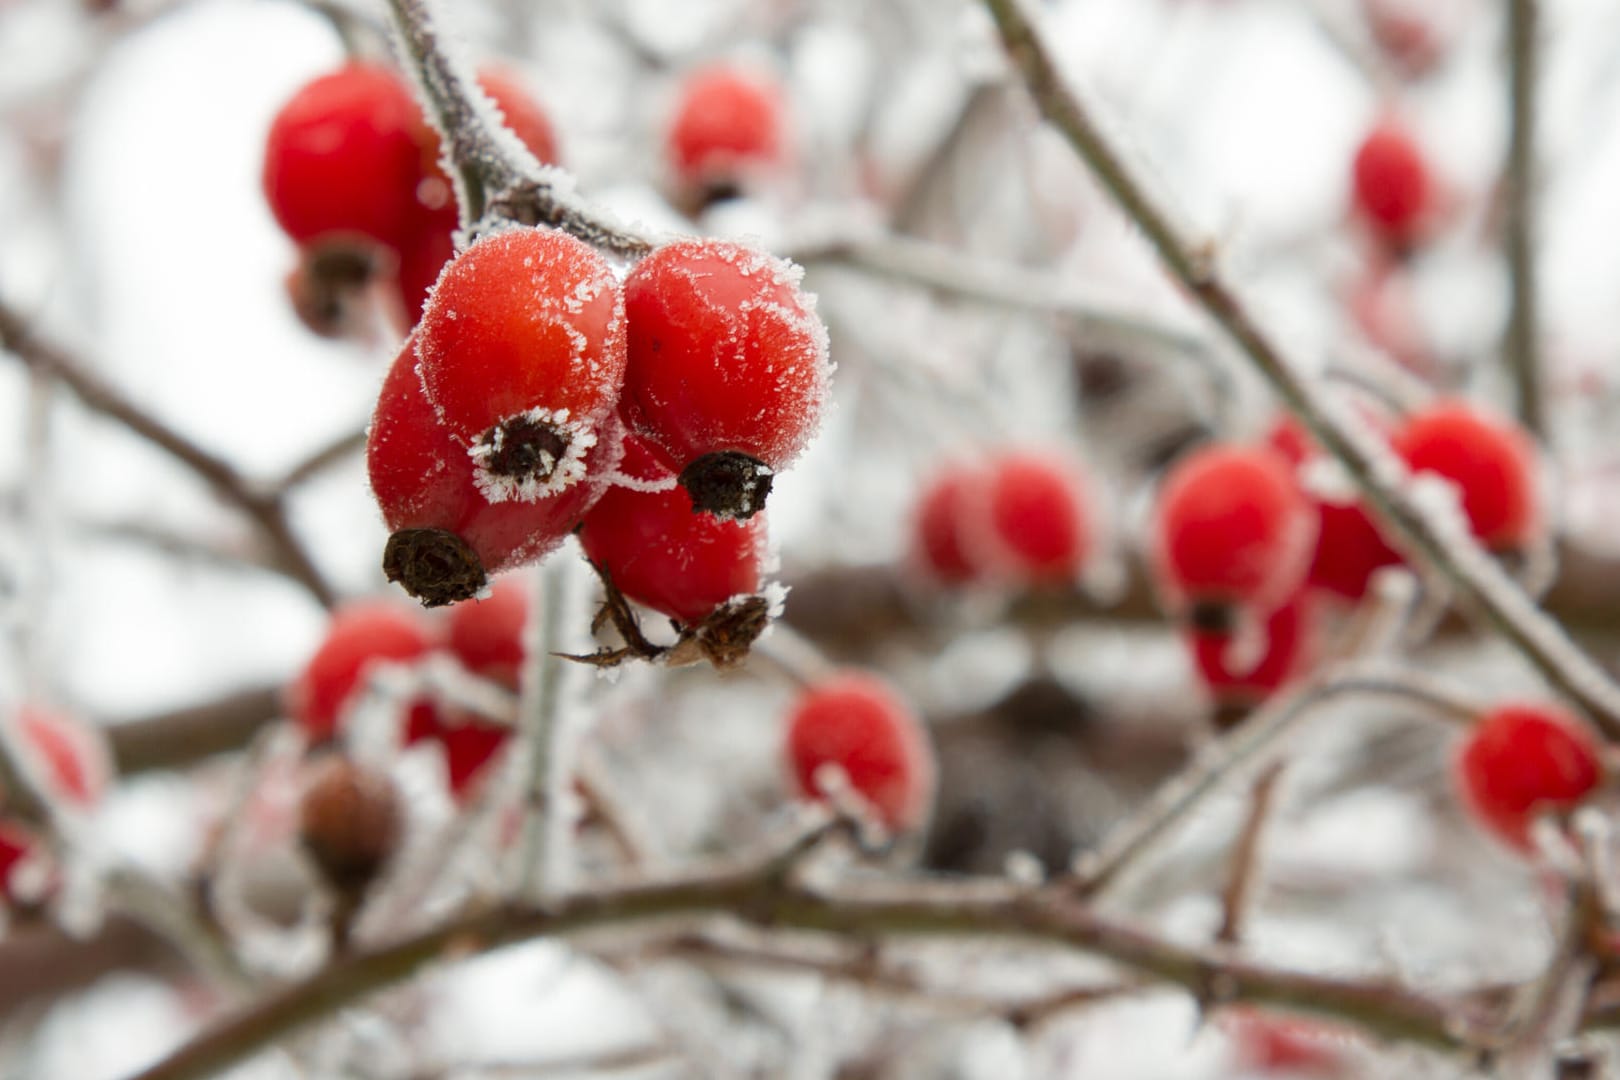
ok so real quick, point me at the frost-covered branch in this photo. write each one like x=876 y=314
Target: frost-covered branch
x=264 y=510
x=497 y=180
x=771 y=893
x=1435 y=539
x=1520 y=347
x=1245 y=746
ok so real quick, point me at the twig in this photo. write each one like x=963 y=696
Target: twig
x=264 y=509
x=974 y=277
x=321 y=459
x=540 y=724
x=497 y=178
x=1442 y=542
x=1520 y=345
x=765 y=891
x=181 y=736
x=1096 y=871
x=1237 y=897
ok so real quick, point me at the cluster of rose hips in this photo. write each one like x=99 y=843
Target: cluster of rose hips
x=352 y=175
x=72 y=763
x=484 y=637
x=1022 y=518
x=540 y=395
x=852 y=721
x=1247 y=555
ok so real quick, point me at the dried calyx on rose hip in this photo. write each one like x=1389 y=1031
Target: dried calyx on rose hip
x=727 y=371
x=1231 y=530
x=728 y=127
x=856 y=724
x=1524 y=760
x=522 y=353
x=1492 y=464
x=446 y=537
x=360 y=638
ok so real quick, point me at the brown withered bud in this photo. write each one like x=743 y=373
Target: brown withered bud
x=350 y=824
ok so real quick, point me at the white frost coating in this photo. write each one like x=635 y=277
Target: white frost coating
x=666 y=482
x=564 y=473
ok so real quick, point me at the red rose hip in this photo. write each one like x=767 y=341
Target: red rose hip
x=855 y=722
x=727 y=122
x=662 y=554
x=342 y=157
x=522 y=355
x=1027 y=518
x=1390 y=183
x=359 y=636
x=937 y=543
x=1523 y=760
x=447 y=539
x=727 y=368
x=486 y=635
x=1232 y=528
x=1491 y=463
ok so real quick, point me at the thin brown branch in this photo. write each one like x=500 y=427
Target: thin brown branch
x=1245 y=868
x=767 y=893
x=1521 y=346
x=1439 y=541
x=1097 y=871
x=183 y=736
x=322 y=458
x=264 y=510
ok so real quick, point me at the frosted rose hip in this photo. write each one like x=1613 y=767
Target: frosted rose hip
x=1491 y=463
x=661 y=554
x=447 y=538
x=342 y=157
x=522 y=354
x=1027 y=518
x=486 y=634
x=727 y=121
x=727 y=369
x=857 y=723
x=1522 y=760
x=1231 y=528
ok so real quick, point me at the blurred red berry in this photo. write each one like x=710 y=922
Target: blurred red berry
x=1350 y=548
x=1244 y=673
x=937 y=527
x=469 y=749
x=358 y=637
x=727 y=122
x=522 y=354
x=1273 y=1045
x=1232 y=529
x=1391 y=186
x=486 y=634
x=72 y=756
x=17 y=847
x=447 y=538
x=661 y=553
x=856 y=722
x=1491 y=462
x=1523 y=760
x=342 y=157
x=1029 y=520
x=727 y=368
